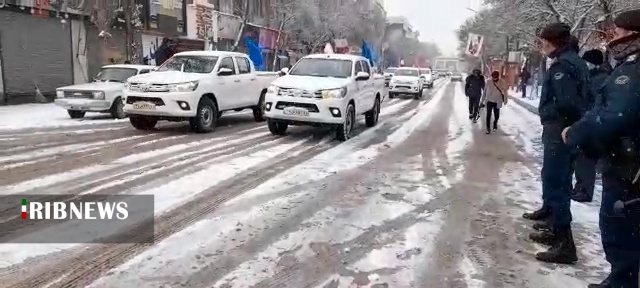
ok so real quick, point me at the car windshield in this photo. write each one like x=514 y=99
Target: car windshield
x=425 y=71
x=190 y=64
x=115 y=74
x=390 y=70
x=407 y=72
x=320 y=67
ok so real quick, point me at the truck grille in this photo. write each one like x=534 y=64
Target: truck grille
x=78 y=94
x=291 y=92
x=155 y=100
x=311 y=107
x=141 y=87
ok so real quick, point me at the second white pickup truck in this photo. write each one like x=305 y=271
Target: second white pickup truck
x=325 y=90
x=197 y=86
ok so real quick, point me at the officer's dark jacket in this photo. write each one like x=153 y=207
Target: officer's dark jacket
x=618 y=117
x=597 y=76
x=474 y=85
x=565 y=90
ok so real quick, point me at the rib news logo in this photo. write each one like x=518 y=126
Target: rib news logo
x=74 y=210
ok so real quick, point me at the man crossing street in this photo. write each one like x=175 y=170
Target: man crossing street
x=474 y=87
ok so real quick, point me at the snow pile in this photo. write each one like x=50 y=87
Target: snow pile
x=46 y=115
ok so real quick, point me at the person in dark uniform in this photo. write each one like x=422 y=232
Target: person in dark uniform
x=563 y=102
x=473 y=88
x=524 y=80
x=585 y=167
x=613 y=132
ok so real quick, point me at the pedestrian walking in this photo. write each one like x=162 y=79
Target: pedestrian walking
x=585 y=165
x=473 y=87
x=493 y=98
x=524 y=80
x=562 y=103
x=613 y=132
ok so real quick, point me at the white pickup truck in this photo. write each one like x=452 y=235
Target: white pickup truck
x=406 y=80
x=197 y=86
x=104 y=94
x=325 y=89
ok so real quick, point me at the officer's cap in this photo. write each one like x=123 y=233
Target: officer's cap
x=556 y=31
x=595 y=57
x=628 y=20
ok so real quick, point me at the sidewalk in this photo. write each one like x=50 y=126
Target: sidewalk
x=529 y=103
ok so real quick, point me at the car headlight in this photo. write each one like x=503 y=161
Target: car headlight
x=127 y=86
x=272 y=89
x=98 y=95
x=334 y=93
x=59 y=94
x=184 y=87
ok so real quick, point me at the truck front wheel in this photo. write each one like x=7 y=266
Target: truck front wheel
x=206 y=116
x=277 y=127
x=143 y=122
x=258 y=111
x=75 y=114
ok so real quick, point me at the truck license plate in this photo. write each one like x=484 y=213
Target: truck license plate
x=296 y=111
x=144 y=106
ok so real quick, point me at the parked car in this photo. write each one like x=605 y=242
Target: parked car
x=427 y=78
x=406 y=80
x=103 y=95
x=388 y=74
x=197 y=86
x=325 y=90
x=456 y=76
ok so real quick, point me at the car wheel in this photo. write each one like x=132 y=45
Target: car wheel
x=75 y=114
x=206 y=116
x=143 y=123
x=117 y=109
x=258 y=111
x=277 y=127
x=372 y=116
x=344 y=131
x=392 y=95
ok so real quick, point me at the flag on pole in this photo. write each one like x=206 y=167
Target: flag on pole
x=474 y=45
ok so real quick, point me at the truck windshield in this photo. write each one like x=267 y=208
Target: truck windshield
x=425 y=71
x=190 y=64
x=322 y=68
x=407 y=72
x=115 y=74
x=390 y=70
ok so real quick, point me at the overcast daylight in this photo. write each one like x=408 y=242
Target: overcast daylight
x=319 y=144
x=437 y=21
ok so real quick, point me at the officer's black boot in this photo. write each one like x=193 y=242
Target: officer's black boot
x=604 y=284
x=563 y=251
x=580 y=196
x=544 y=237
x=538 y=215
x=543 y=225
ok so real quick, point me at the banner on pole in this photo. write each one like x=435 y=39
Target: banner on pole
x=474 y=45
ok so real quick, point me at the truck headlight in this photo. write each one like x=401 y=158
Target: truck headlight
x=59 y=94
x=272 y=90
x=98 y=95
x=334 y=93
x=127 y=86
x=184 y=87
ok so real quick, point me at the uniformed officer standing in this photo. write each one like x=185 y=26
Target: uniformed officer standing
x=585 y=166
x=563 y=101
x=614 y=132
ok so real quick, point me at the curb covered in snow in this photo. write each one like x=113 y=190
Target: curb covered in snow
x=525 y=105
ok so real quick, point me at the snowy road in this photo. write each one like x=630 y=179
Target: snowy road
x=424 y=199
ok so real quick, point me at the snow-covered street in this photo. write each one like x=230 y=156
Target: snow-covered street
x=423 y=199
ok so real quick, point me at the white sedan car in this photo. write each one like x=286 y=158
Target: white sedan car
x=406 y=80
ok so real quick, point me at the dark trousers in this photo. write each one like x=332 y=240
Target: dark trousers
x=620 y=232
x=585 y=172
x=557 y=172
x=523 y=87
x=474 y=106
x=492 y=108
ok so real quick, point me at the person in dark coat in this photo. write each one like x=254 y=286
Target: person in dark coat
x=612 y=131
x=524 y=80
x=165 y=51
x=562 y=103
x=585 y=167
x=473 y=88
